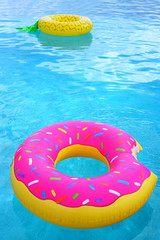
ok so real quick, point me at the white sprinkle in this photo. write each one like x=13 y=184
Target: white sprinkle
x=30 y=161
x=137 y=184
x=132 y=139
x=113 y=159
x=70 y=140
x=114 y=192
x=105 y=129
x=136 y=163
x=19 y=149
x=33 y=182
x=74 y=178
x=49 y=133
x=85 y=202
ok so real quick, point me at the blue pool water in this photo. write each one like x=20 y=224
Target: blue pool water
x=111 y=75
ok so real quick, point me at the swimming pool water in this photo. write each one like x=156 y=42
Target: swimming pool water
x=110 y=75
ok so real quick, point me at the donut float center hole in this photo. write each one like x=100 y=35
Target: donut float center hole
x=81 y=161
x=82 y=167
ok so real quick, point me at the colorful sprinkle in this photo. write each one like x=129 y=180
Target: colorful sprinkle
x=98 y=134
x=35 y=140
x=120 y=149
x=96 y=128
x=102 y=145
x=50 y=167
x=23 y=143
x=136 y=163
x=147 y=170
x=121 y=181
x=30 y=161
x=114 y=192
x=137 y=184
x=84 y=128
x=105 y=129
x=39 y=151
x=75 y=195
x=40 y=157
x=89 y=135
x=17 y=155
x=129 y=143
x=47 y=140
x=71 y=185
x=120 y=133
x=98 y=200
x=77 y=135
x=37 y=189
x=16 y=170
x=19 y=158
x=120 y=141
x=111 y=136
x=53 y=193
x=50 y=158
x=70 y=140
x=113 y=159
x=85 y=202
x=28 y=151
x=129 y=168
x=21 y=175
x=54 y=172
x=49 y=149
x=107 y=155
x=62 y=130
x=43 y=194
x=73 y=178
x=65 y=127
x=105 y=184
x=33 y=169
x=33 y=182
x=19 y=149
x=110 y=175
x=88 y=178
x=141 y=175
x=50 y=133
x=38 y=174
x=122 y=160
x=59 y=140
x=116 y=172
x=132 y=139
x=54 y=178
x=56 y=147
x=92 y=187
x=61 y=199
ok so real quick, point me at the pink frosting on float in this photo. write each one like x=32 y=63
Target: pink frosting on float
x=35 y=157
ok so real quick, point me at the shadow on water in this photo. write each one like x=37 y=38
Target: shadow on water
x=35 y=228
x=64 y=43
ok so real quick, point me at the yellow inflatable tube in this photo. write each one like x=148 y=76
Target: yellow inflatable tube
x=61 y=25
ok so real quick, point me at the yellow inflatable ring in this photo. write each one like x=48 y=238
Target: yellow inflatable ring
x=74 y=202
x=65 y=25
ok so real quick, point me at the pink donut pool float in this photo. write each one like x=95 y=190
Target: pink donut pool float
x=81 y=202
